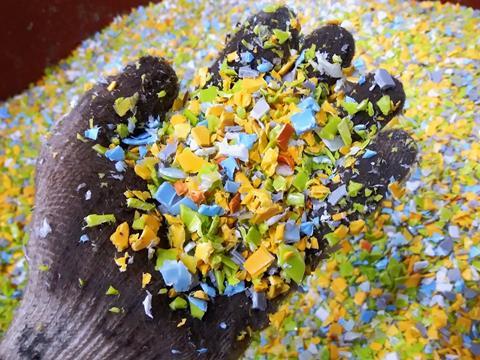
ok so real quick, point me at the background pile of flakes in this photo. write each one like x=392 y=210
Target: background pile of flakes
x=415 y=291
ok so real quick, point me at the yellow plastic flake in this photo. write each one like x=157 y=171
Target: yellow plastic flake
x=338 y=285
x=190 y=262
x=319 y=191
x=120 y=237
x=143 y=171
x=177 y=119
x=148 y=237
x=201 y=135
x=122 y=262
x=189 y=161
x=182 y=130
x=146 y=278
x=203 y=251
x=269 y=161
x=258 y=262
x=253 y=85
x=176 y=235
x=357 y=226
x=266 y=213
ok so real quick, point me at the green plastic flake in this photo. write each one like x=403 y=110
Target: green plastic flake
x=310 y=53
x=296 y=199
x=354 y=188
x=163 y=255
x=122 y=130
x=371 y=110
x=212 y=123
x=300 y=180
x=124 y=104
x=138 y=223
x=350 y=107
x=112 y=291
x=346 y=269
x=270 y=8
x=253 y=236
x=384 y=104
x=195 y=311
x=99 y=149
x=281 y=35
x=43 y=267
x=115 y=310
x=81 y=282
x=279 y=183
x=191 y=219
x=208 y=95
x=178 y=303
x=292 y=262
x=344 y=130
x=191 y=117
x=139 y=204
x=96 y=219
x=330 y=130
x=161 y=94
x=227 y=70
x=220 y=278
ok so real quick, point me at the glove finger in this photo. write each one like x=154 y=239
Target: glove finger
x=330 y=43
x=264 y=42
x=360 y=188
x=383 y=98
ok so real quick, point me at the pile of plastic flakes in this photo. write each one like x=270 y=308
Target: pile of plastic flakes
x=406 y=287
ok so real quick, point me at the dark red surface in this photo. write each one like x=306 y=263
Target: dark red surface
x=38 y=33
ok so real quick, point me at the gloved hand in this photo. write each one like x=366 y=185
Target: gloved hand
x=65 y=313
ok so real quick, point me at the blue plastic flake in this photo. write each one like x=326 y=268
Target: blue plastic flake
x=231 y=290
x=231 y=186
x=300 y=59
x=4 y=114
x=246 y=57
x=309 y=103
x=362 y=80
x=202 y=350
x=175 y=208
x=369 y=153
x=303 y=121
x=247 y=139
x=115 y=154
x=210 y=291
x=199 y=303
x=259 y=301
x=383 y=79
x=142 y=151
x=229 y=165
x=165 y=194
x=120 y=166
x=264 y=67
x=306 y=228
x=474 y=252
x=223 y=325
x=142 y=139
x=292 y=232
x=367 y=315
x=176 y=274
x=170 y=172
x=211 y=210
x=92 y=133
